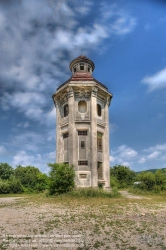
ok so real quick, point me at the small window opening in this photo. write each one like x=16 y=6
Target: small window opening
x=82 y=144
x=81 y=66
x=98 y=110
x=83 y=176
x=82 y=162
x=82 y=132
x=66 y=135
x=66 y=110
x=88 y=69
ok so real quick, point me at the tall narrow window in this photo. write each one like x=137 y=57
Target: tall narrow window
x=98 y=110
x=65 y=141
x=81 y=66
x=99 y=170
x=99 y=141
x=66 y=110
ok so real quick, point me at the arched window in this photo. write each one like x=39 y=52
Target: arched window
x=66 y=110
x=98 y=110
x=81 y=66
x=82 y=106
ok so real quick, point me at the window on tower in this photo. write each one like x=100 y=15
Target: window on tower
x=65 y=141
x=82 y=144
x=81 y=163
x=66 y=110
x=81 y=66
x=74 y=69
x=98 y=110
x=99 y=141
x=99 y=170
x=82 y=132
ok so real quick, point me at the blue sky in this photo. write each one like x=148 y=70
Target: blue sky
x=127 y=42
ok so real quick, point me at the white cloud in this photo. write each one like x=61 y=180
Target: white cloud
x=156 y=81
x=123 y=155
x=118 y=21
x=126 y=163
x=84 y=8
x=153 y=155
x=51 y=135
x=158 y=147
x=50 y=117
x=157 y=153
x=2 y=150
x=30 y=141
x=142 y=160
x=126 y=152
x=35 y=62
x=123 y=25
x=112 y=159
x=113 y=127
x=36 y=160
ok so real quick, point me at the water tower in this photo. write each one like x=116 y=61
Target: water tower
x=82 y=125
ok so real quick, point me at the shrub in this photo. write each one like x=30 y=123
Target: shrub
x=4 y=187
x=160 y=179
x=61 y=178
x=147 y=179
x=93 y=192
x=113 y=182
x=15 y=186
x=42 y=182
x=11 y=186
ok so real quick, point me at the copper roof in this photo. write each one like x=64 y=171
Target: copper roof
x=82 y=77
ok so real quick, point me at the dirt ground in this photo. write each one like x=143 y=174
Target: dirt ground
x=38 y=222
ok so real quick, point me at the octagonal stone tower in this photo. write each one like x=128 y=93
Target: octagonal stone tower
x=82 y=125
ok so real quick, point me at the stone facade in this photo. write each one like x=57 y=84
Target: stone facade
x=82 y=125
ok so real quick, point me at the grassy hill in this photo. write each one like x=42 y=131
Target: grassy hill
x=152 y=170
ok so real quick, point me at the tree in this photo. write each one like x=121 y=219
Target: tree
x=28 y=176
x=61 y=178
x=5 y=171
x=123 y=175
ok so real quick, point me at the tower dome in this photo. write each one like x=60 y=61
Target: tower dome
x=82 y=64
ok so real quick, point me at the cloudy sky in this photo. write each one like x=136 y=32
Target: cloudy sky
x=127 y=42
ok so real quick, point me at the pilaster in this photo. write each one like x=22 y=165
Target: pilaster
x=72 y=130
x=106 y=163
x=59 y=146
x=93 y=163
